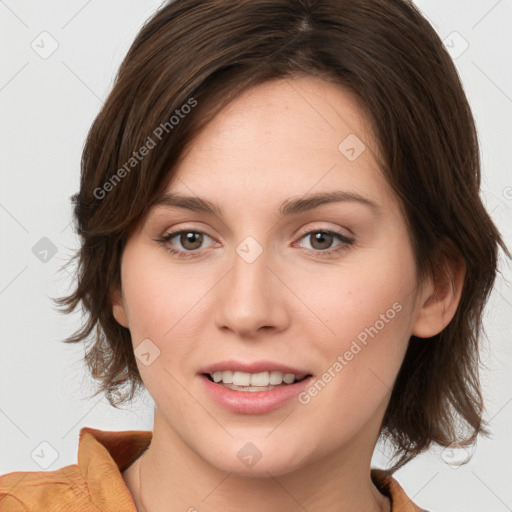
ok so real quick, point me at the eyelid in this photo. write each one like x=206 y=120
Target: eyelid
x=337 y=230
x=187 y=229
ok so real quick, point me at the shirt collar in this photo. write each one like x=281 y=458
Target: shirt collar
x=102 y=456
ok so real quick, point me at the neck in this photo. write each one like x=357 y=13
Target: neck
x=340 y=483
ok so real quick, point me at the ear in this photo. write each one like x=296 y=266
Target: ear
x=118 y=308
x=440 y=295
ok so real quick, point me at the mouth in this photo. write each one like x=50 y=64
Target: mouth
x=258 y=393
x=254 y=387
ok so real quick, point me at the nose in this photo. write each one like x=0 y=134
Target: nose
x=252 y=298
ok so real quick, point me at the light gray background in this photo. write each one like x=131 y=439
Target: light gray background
x=46 y=108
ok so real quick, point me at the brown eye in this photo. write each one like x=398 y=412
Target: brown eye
x=321 y=240
x=185 y=243
x=191 y=240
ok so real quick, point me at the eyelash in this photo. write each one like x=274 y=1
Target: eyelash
x=346 y=242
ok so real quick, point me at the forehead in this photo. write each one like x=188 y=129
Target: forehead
x=284 y=138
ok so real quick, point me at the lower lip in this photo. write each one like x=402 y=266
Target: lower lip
x=254 y=402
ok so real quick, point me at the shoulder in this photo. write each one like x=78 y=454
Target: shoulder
x=94 y=484
x=62 y=489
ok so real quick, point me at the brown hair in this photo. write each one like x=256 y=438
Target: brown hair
x=203 y=54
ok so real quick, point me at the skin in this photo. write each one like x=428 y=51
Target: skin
x=277 y=141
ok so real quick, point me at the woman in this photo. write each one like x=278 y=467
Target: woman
x=283 y=242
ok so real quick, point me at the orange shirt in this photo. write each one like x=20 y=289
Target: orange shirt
x=96 y=484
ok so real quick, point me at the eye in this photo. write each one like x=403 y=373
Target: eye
x=189 y=239
x=322 y=242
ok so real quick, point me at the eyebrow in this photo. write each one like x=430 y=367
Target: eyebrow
x=287 y=208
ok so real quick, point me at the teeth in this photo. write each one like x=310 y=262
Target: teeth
x=261 y=379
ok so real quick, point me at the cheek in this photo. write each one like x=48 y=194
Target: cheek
x=166 y=306
x=369 y=312
x=366 y=310
x=160 y=299
x=161 y=309
x=369 y=294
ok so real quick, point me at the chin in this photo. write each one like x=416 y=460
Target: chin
x=263 y=468
x=257 y=456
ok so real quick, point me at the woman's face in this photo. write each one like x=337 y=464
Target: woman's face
x=325 y=288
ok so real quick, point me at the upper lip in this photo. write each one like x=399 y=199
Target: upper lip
x=252 y=367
